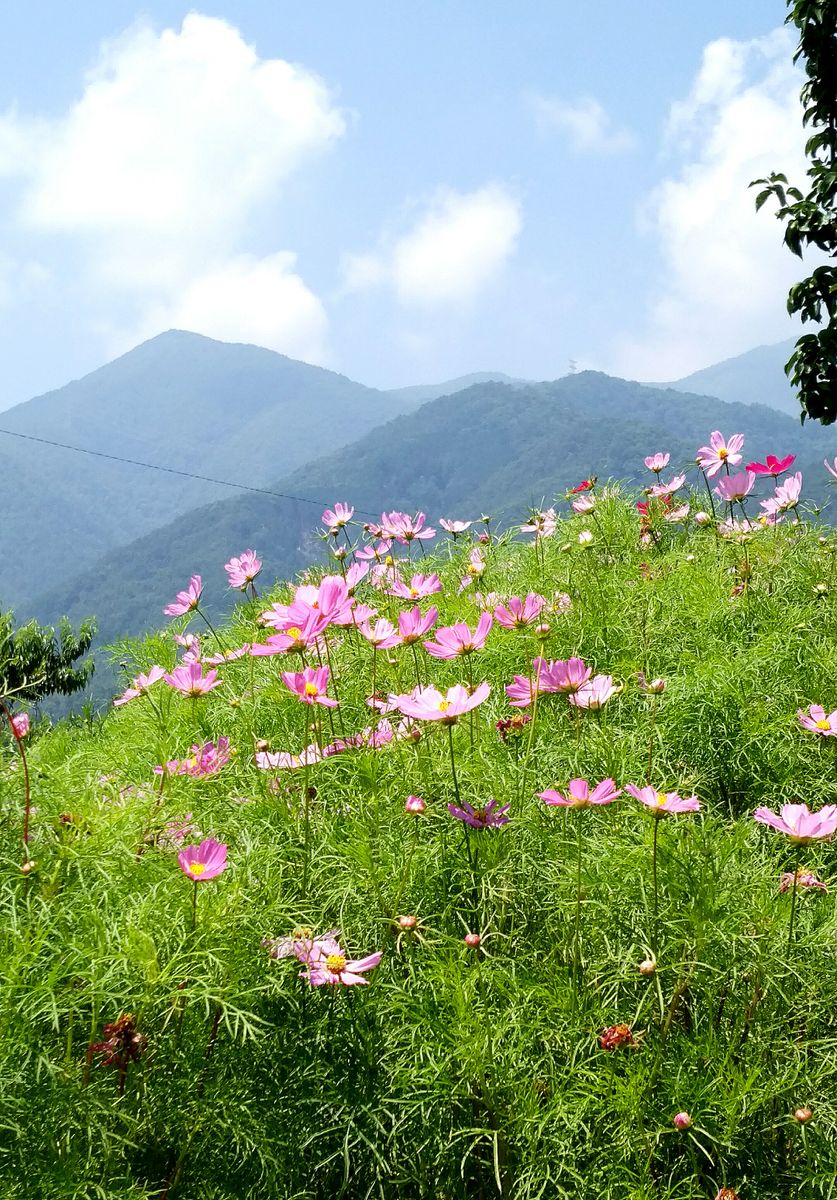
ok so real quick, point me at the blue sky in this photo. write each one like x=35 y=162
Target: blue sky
x=401 y=192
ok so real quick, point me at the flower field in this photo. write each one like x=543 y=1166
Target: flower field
x=475 y=864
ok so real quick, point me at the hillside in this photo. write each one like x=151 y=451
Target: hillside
x=498 y=450
x=420 y=393
x=757 y=377
x=179 y=400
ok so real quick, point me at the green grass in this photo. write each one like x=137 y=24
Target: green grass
x=457 y=1072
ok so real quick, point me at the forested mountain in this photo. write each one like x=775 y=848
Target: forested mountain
x=420 y=393
x=757 y=377
x=181 y=400
x=497 y=450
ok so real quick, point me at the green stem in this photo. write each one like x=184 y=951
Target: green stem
x=793 y=902
x=654 y=874
x=453 y=764
x=194 y=904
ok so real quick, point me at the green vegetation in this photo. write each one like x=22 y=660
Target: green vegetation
x=461 y=1070
x=35 y=663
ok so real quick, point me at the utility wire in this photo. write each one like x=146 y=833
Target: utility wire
x=244 y=487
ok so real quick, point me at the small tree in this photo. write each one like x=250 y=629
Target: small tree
x=36 y=663
x=810 y=218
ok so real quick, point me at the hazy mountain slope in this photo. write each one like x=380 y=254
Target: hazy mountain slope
x=420 y=393
x=757 y=377
x=498 y=450
x=180 y=400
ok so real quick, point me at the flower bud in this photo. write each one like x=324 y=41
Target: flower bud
x=542 y=630
x=407 y=923
x=585 y=538
x=472 y=940
x=262 y=745
x=415 y=804
x=20 y=725
x=726 y=1193
x=28 y=867
x=647 y=967
x=703 y=518
x=802 y=1115
x=681 y=1120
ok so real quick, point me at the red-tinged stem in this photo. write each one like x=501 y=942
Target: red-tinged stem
x=27 y=798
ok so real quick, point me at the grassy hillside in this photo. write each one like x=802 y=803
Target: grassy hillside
x=497 y=449
x=545 y=995
x=180 y=400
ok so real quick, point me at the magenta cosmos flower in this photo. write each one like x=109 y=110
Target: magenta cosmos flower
x=452 y=641
x=186 y=601
x=189 y=680
x=241 y=571
x=520 y=691
x=328 y=964
x=517 y=613
x=415 y=805
x=579 y=794
x=309 y=685
x=418 y=587
x=562 y=675
x=139 y=686
x=734 y=488
x=719 y=452
x=382 y=635
x=403 y=528
x=817 y=721
x=489 y=817
x=204 y=861
x=336 y=518
x=429 y=704
x=657 y=462
x=773 y=466
x=663 y=803
x=20 y=725
x=595 y=693
x=798 y=823
x=412 y=625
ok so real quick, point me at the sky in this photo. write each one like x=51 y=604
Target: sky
x=400 y=192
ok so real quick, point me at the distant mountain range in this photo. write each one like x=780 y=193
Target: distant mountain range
x=498 y=449
x=757 y=377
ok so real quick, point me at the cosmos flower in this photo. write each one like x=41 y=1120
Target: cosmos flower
x=328 y=964
x=662 y=804
x=817 y=722
x=204 y=861
x=595 y=693
x=773 y=466
x=488 y=817
x=309 y=685
x=733 y=488
x=186 y=601
x=418 y=587
x=785 y=497
x=429 y=704
x=617 y=1037
x=668 y=489
x=412 y=625
x=381 y=635
x=301 y=944
x=803 y=879
x=719 y=452
x=189 y=680
x=579 y=794
x=453 y=641
x=454 y=527
x=336 y=518
x=241 y=571
x=139 y=686
x=561 y=675
x=401 y=527
x=657 y=462
x=798 y=823
x=517 y=613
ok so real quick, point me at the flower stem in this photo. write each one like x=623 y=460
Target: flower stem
x=577 y=933
x=654 y=874
x=26 y=796
x=793 y=902
x=453 y=764
x=194 y=904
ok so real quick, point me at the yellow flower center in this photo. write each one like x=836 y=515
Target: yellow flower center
x=413 y=591
x=389 y=560
x=336 y=963
x=823 y=724
x=444 y=705
x=723 y=452
x=311 y=689
x=294 y=631
x=304 y=931
x=197 y=868
x=661 y=798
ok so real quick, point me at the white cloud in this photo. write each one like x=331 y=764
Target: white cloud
x=451 y=252
x=725 y=272
x=155 y=173
x=585 y=123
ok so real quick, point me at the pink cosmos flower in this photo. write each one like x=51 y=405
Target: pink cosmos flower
x=328 y=964
x=381 y=635
x=785 y=497
x=412 y=625
x=489 y=817
x=734 y=488
x=595 y=693
x=292 y=638
x=186 y=601
x=403 y=528
x=204 y=861
x=225 y=656
x=520 y=691
x=517 y=613
x=712 y=457
x=543 y=524
x=429 y=704
x=415 y=805
x=354 y=574
x=418 y=587
x=309 y=685
x=20 y=726
x=663 y=803
x=336 y=518
x=283 y=760
x=454 y=527
x=452 y=641
x=376 y=553
x=675 y=516
x=584 y=504
x=773 y=466
x=562 y=675
x=139 y=686
x=579 y=794
x=241 y=571
x=475 y=569
x=798 y=823
x=816 y=720
x=668 y=489
x=189 y=680
x=657 y=462
x=803 y=879
x=204 y=760
x=302 y=944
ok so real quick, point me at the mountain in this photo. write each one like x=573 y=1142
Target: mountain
x=180 y=400
x=499 y=450
x=757 y=377
x=420 y=393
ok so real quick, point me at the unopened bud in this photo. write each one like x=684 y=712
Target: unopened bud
x=472 y=940
x=262 y=745
x=681 y=1120
x=28 y=867
x=414 y=804
x=542 y=630
x=408 y=922
x=647 y=967
x=802 y=1115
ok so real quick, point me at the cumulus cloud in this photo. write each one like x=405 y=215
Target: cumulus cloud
x=453 y=249
x=178 y=138
x=585 y=124
x=725 y=272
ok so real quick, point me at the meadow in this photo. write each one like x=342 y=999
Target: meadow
x=473 y=864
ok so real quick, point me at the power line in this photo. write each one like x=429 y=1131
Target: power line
x=244 y=487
